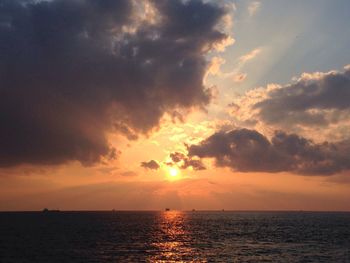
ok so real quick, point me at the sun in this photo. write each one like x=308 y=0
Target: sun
x=173 y=172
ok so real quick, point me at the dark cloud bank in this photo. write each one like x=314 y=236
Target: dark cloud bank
x=72 y=70
x=249 y=151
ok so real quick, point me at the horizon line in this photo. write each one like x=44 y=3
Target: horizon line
x=179 y=210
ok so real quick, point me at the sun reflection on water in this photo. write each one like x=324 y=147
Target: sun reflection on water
x=174 y=240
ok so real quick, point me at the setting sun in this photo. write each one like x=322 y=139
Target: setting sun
x=173 y=172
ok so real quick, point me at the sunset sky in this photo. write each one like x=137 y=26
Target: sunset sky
x=137 y=105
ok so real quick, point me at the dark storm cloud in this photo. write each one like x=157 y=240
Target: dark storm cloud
x=317 y=99
x=152 y=164
x=187 y=162
x=72 y=70
x=249 y=151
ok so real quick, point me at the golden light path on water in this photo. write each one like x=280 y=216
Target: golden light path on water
x=174 y=244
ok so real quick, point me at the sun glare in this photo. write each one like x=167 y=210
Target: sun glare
x=173 y=172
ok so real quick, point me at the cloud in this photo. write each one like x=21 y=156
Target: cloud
x=196 y=165
x=214 y=67
x=250 y=151
x=177 y=157
x=129 y=174
x=72 y=71
x=253 y=8
x=186 y=162
x=236 y=75
x=315 y=105
x=249 y=56
x=239 y=77
x=314 y=99
x=152 y=165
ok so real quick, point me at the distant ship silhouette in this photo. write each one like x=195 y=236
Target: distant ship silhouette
x=46 y=210
x=167 y=209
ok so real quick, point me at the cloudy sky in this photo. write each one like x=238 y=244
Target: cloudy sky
x=125 y=104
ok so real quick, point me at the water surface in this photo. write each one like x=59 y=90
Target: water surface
x=175 y=236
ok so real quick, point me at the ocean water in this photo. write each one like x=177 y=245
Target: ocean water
x=174 y=236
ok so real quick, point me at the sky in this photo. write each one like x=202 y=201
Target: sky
x=187 y=104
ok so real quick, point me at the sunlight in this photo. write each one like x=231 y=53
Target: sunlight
x=173 y=171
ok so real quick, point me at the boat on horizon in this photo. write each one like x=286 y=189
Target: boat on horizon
x=46 y=210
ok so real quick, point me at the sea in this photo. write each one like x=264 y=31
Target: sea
x=174 y=236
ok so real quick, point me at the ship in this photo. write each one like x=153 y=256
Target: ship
x=46 y=210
